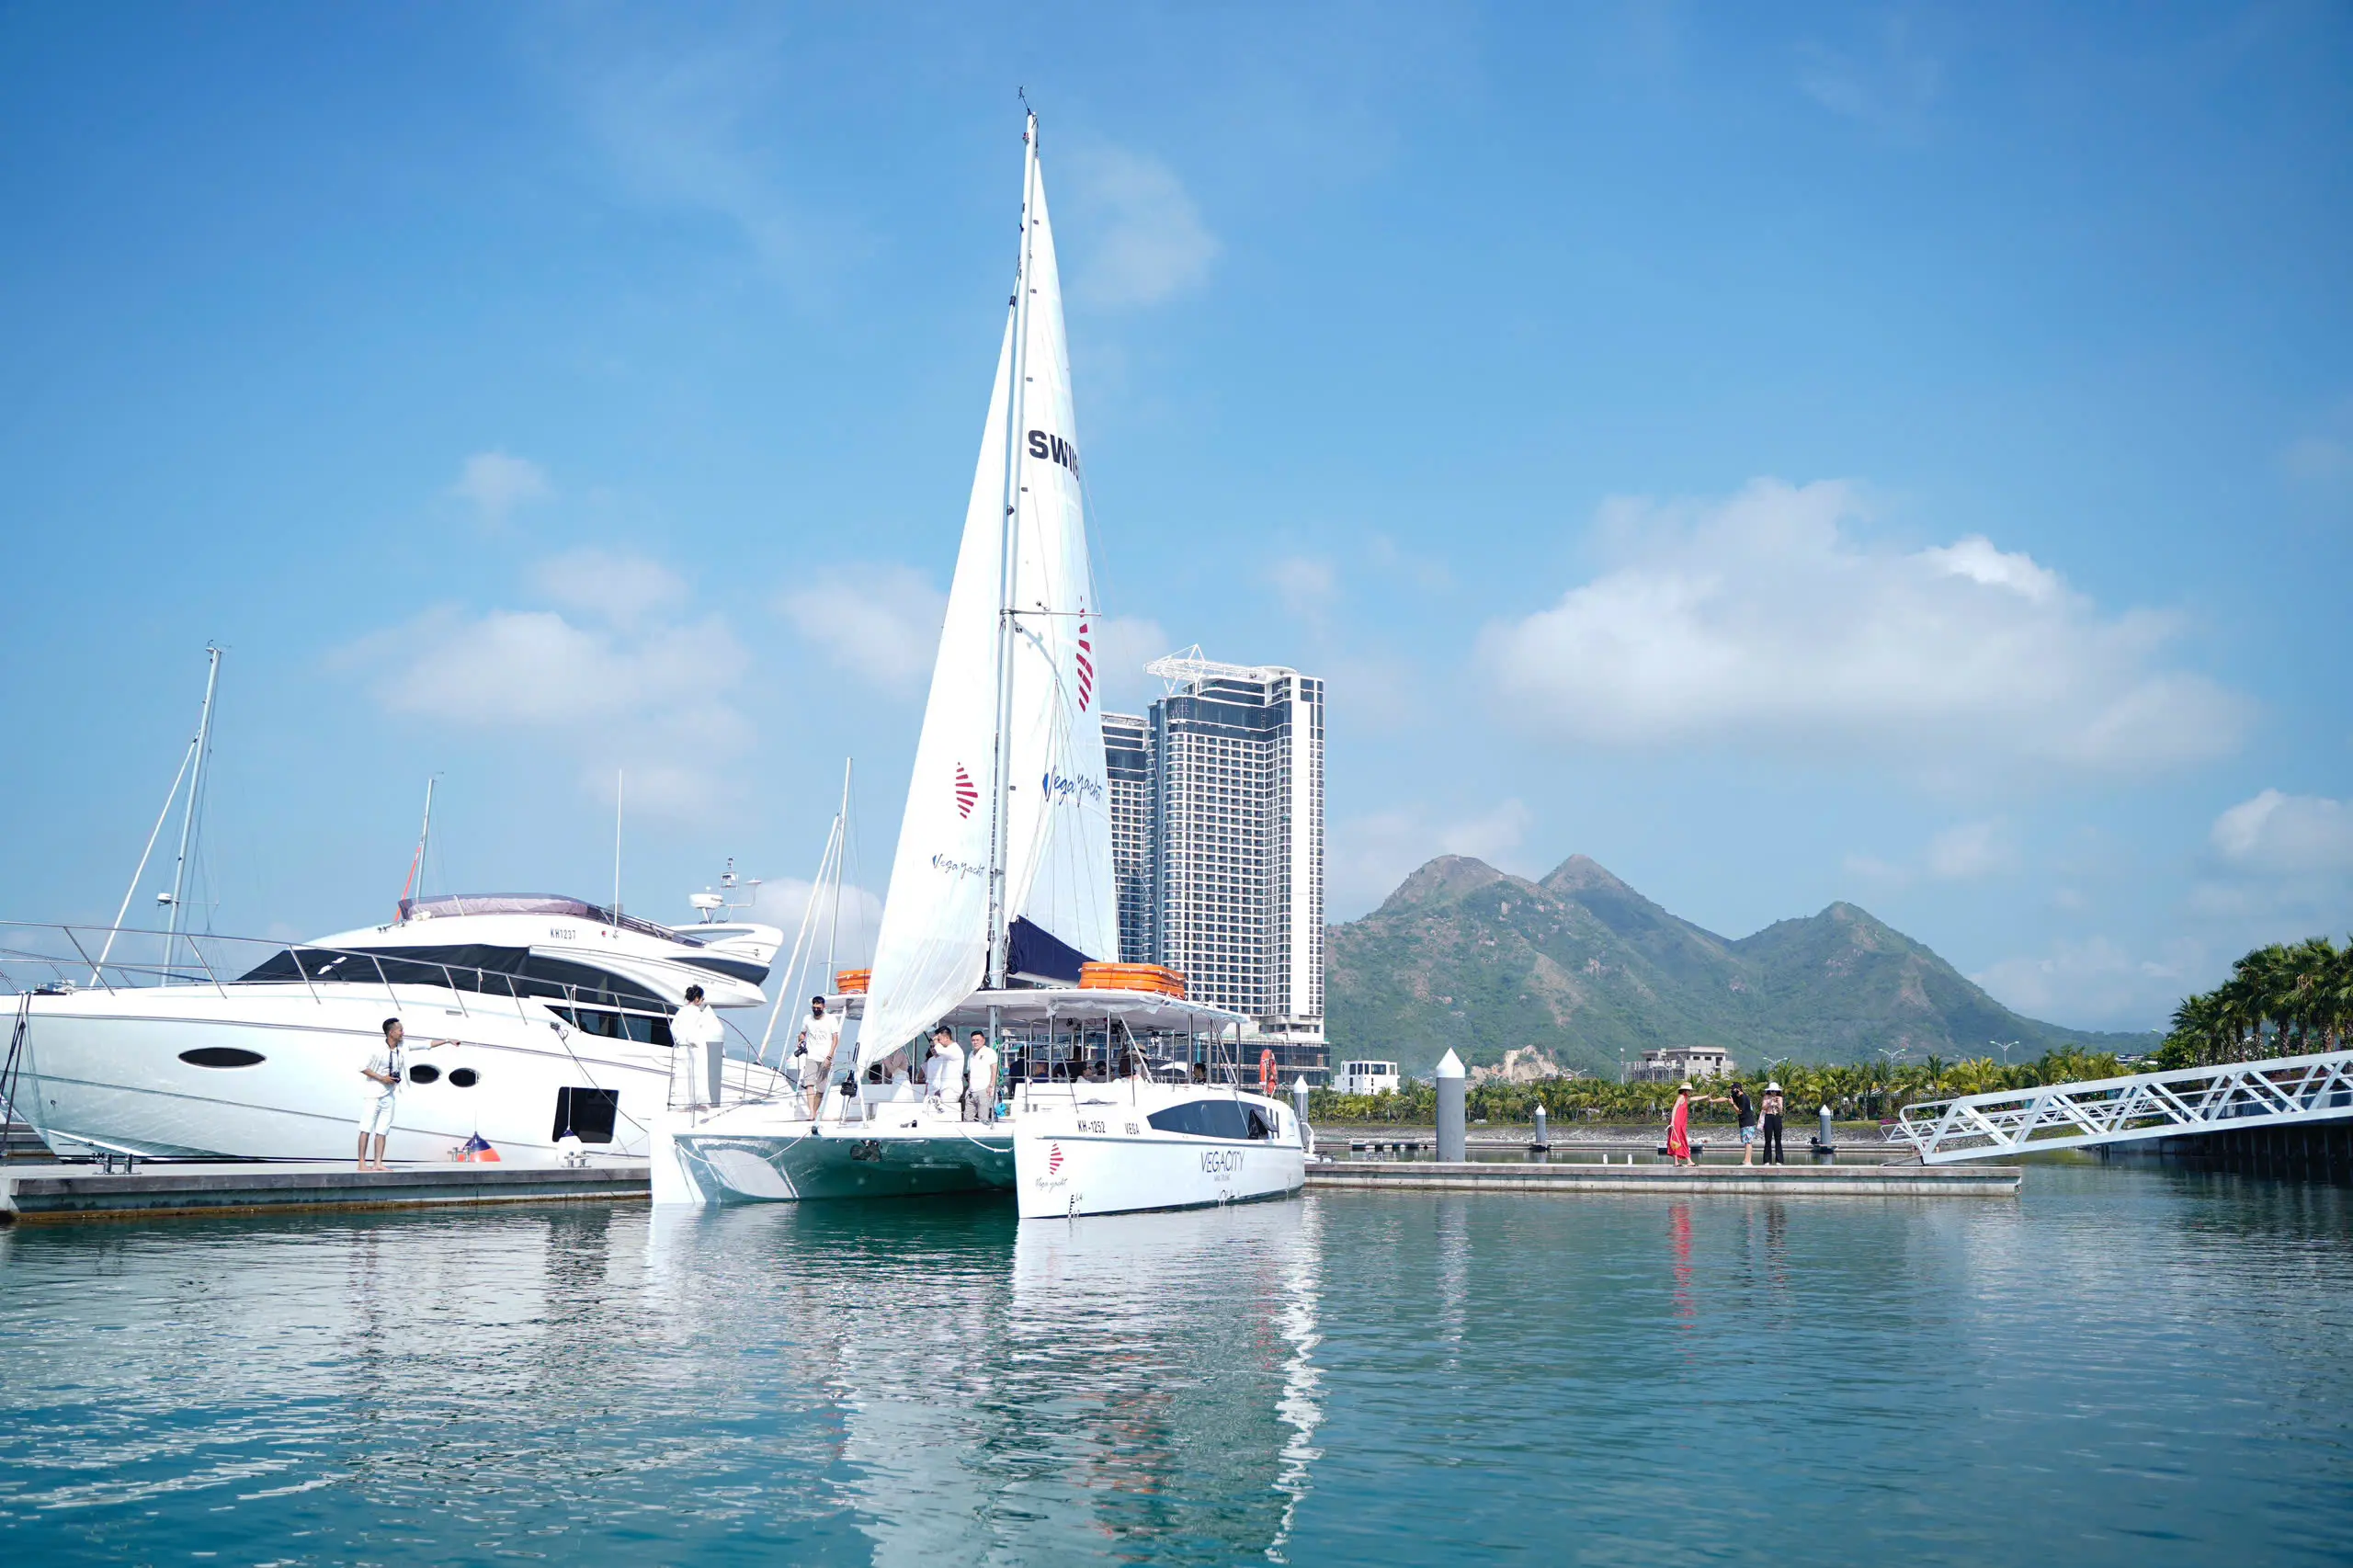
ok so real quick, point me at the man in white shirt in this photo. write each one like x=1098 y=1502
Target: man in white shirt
x=980 y=1080
x=697 y=1040
x=383 y=1073
x=946 y=1075
x=821 y=1033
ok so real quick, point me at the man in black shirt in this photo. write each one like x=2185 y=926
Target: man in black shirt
x=1740 y=1102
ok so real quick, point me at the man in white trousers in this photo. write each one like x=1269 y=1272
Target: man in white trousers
x=944 y=1074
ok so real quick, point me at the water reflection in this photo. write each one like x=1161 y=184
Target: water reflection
x=2155 y=1359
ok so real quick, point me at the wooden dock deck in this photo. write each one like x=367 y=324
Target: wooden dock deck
x=55 y=1194
x=1666 y=1180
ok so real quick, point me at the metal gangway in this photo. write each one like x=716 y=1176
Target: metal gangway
x=2236 y=1096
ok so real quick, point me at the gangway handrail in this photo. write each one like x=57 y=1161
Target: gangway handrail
x=2002 y=1123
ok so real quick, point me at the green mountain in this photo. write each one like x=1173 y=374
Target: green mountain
x=1582 y=965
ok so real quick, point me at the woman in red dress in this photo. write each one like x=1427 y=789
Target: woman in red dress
x=1678 y=1127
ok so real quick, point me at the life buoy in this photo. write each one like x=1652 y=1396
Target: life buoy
x=1267 y=1071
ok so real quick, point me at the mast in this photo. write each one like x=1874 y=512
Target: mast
x=417 y=861
x=195 y=793
x=833 y=931
x=1008 y=541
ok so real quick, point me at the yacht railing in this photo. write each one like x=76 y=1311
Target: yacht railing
x=59 y=958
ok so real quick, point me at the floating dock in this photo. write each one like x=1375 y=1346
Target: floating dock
x=1748 y=1181
x=56 y=1194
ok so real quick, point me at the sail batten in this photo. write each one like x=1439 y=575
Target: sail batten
x=1026 y=757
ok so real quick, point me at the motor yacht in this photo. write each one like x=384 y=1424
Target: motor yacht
x=538 y=1025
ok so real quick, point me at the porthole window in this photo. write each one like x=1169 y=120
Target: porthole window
x=221 y=1056
x=463 y=1077
x=424 y=1074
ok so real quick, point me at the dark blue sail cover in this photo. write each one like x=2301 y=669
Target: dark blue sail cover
x=1032 y=952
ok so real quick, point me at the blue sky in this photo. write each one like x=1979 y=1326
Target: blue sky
x=1897 y=454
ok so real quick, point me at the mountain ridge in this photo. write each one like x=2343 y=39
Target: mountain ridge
x=1585 y=967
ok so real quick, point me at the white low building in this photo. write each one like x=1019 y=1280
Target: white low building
x=1680 y=1064
x=1366 y=1078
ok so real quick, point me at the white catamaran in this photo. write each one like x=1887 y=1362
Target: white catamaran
x=1002 y=888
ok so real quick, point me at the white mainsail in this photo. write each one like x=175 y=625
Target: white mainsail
x=1053 y=842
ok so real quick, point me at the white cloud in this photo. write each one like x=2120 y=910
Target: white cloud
x=1970 y=850
x=658 y=696
x=2322 y=459
x=2286 y=834
x=1762 y=621
x=496 y=484
x=2094 y=985
x=1892 y=82
x=1143 y=240
x=783 y=900
x=1124 y=644
x=1306 y=583
x=2317 y=459
x=535 y=668
x=705 y=125
x=621 y=590
x=1368 y=856
x=878 y=622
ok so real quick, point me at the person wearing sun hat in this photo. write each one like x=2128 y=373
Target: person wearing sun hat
x=1772 y=1108
x=1678 y=1126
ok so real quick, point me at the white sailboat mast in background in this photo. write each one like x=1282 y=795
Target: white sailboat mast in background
x=1004 y=863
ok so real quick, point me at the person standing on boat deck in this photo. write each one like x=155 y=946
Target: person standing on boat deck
x=945 y=1076
x=1678 y=1127
x=980 y=1080
x=1773 y=1155
x=698 y=1038
x=383 y=1073
x=820 y=1033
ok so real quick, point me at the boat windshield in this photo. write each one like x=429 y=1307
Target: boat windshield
x=449 y=905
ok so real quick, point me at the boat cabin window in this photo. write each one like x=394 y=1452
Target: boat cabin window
x=1213 y=1118
x=639 y=1027
x=423 y=1073
x=463 y=1077
x=221 y=1056
x=586 y=1114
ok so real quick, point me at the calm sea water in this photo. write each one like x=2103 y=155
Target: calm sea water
x=2124 y=1366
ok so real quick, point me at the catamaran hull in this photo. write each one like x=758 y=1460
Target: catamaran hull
x=1060 y=1175
x=716 y=1167
x=112 y=1073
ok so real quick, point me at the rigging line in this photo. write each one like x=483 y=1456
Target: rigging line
x=132 y=890
x=788 y=983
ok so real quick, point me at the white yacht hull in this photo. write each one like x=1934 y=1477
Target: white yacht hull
x=1080 y=1149
x=773 y=1153
x=108 y=1071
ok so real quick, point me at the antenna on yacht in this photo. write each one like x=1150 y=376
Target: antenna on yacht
x=711 y=906
x=187 y=820
x=417 y=861
x=620 y=778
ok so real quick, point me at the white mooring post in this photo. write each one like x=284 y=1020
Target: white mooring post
x=1452 y=1137
x=1541 y=1142
x=1825 y=1129
x=1299 y=1109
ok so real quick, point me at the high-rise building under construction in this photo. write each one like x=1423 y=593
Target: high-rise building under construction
x=1217 y=843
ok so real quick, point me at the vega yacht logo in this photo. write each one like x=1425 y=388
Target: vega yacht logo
x=961 y=867
x=966 y=791
x=1060 y=787
x=1085 y=666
